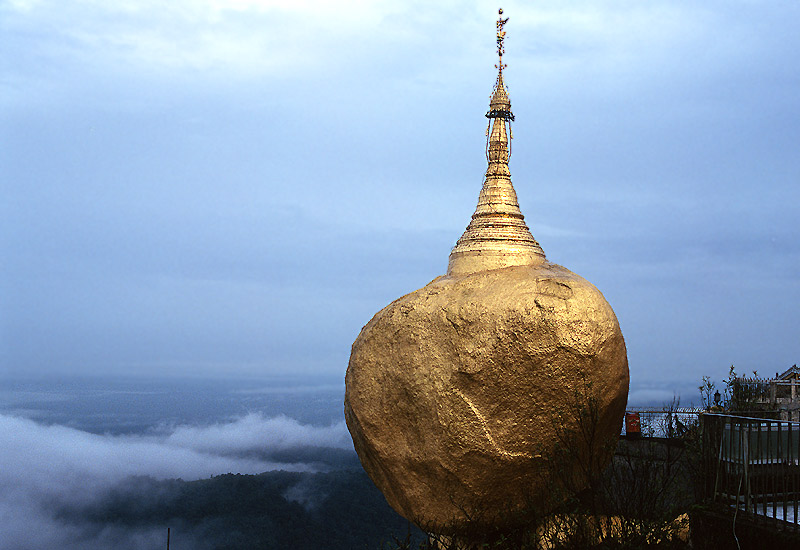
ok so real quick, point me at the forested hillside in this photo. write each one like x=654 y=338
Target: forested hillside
x=335 y=510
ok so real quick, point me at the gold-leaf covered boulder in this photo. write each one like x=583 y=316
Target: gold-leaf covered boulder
x=455 y=392
x=458 y=395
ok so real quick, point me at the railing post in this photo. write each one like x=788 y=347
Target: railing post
x=744 y=451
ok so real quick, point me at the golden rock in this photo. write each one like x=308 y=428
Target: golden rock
x=457 y=394
x=454 y=392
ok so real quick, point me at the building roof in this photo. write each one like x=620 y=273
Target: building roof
x=791 y=372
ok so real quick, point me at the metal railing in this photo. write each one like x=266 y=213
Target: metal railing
x=753 y=466
x=663 y=423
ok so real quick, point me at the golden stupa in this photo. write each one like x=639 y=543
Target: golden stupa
x=458 y=394
x=497 y=235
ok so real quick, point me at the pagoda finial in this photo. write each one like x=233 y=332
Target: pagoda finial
x=497 y=236
x=500 y=105
x=501 y=35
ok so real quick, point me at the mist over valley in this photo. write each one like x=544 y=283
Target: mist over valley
x=113 y=462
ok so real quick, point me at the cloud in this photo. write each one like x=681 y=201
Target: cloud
x=26 y=526
x=254 y=432
x=244 y=37
x=46 y=468
x=55 y=457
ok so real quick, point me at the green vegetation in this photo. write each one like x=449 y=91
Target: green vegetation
x=742 y=396
x=335 y=510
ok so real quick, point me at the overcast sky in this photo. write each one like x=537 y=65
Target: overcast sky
x=235 y=187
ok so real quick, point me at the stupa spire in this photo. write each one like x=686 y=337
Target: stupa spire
x=497 y=235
